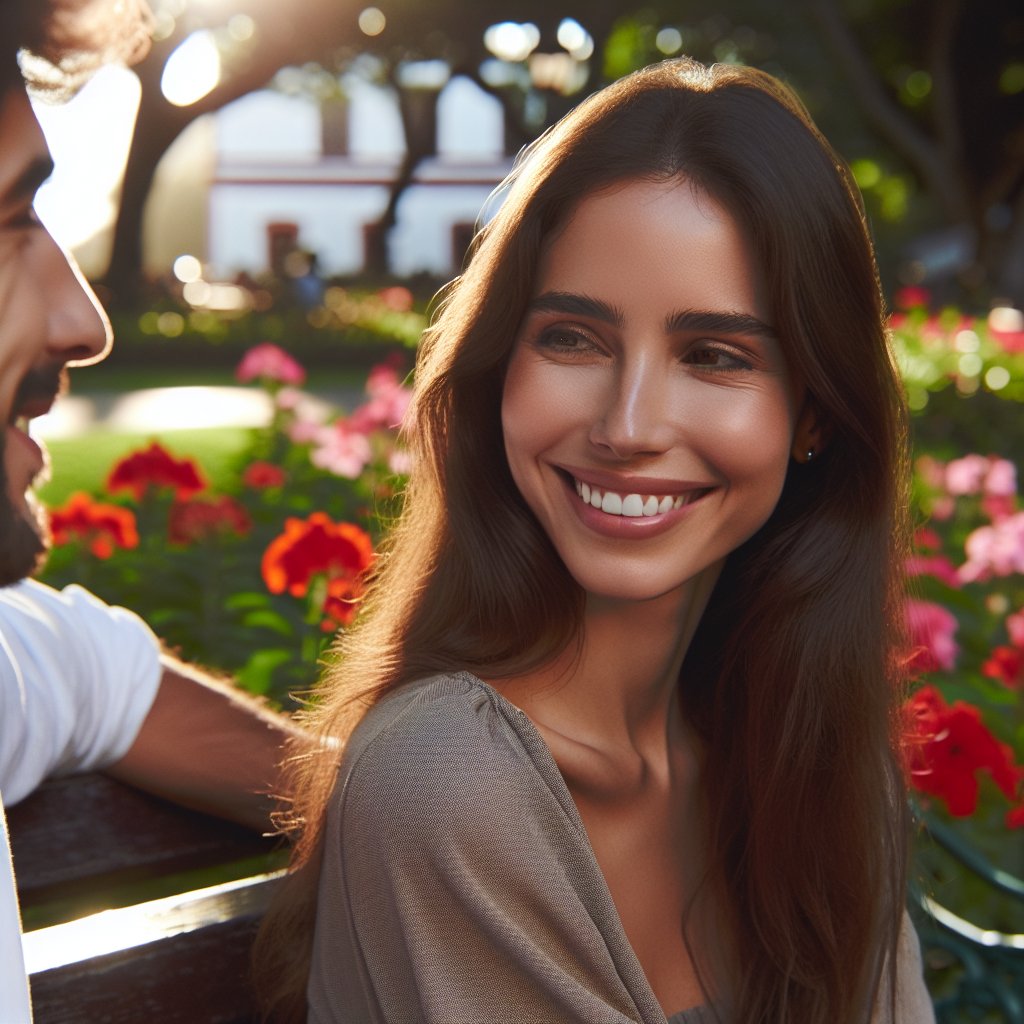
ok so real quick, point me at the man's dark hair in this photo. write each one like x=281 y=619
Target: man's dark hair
x=62 y=42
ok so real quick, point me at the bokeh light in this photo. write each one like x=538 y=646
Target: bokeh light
x=241 y=27
x=669 y=40
x=511 y=41
x=187 y=268
x=192 y=70
x=372 y=21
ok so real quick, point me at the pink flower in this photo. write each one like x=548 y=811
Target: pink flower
x=1015 y=628
x=268 y=362
x=388 y=402
x=397 y=298
x=931 y=471
x=966 y=475
x=931 y=629
x=288 y=399
x=304 y=431
x=400 y=462
x=994 y=550
x=341 y=450
x=938 y=566
x=1006 y=325
x=1009 y=341
x=1001 y=478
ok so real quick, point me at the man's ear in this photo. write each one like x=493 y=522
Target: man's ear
x=811 y=434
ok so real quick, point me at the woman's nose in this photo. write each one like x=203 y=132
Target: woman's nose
x=634 y=419
x=77 y=328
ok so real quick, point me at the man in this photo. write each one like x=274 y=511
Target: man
x=83 y=685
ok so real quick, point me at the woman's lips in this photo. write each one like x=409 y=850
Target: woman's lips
x=630 y=513
x=634 y=504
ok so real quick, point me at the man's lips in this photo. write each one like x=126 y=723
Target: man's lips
x=38 y=390
x=33 y=408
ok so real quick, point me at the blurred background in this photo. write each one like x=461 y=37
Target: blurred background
x=266 y=205
x=321 y=137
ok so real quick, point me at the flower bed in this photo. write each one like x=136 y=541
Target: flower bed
x=254 y=579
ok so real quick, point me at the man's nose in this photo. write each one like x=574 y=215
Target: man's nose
x=78 y=331
x=635 y=419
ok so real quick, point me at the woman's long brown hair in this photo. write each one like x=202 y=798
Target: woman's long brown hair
x=791 y=679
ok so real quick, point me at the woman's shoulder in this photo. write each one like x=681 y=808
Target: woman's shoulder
x=439 y=744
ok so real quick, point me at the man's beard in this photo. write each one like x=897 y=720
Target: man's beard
x=25 y=539
x=23 y=546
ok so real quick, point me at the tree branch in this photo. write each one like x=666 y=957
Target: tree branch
x=899 y=130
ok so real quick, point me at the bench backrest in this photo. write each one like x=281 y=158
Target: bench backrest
x=176 y=948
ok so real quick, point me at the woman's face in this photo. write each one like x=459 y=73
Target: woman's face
x=648 y=412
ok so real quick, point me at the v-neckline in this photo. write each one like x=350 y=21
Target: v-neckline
x=542 y=758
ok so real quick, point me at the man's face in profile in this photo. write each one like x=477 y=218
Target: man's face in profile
x=49 y=318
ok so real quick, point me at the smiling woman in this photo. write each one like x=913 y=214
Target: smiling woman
x=618 y=709
x=645 y=372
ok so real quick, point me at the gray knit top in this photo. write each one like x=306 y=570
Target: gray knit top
x=458 y=885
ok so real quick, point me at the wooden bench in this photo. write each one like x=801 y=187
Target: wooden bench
x=187 y=891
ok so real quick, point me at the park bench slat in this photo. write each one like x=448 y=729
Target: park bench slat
x=84 y=834
x=186 y=960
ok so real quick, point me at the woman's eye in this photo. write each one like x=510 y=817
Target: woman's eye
x=564 y=339
x=714 y=357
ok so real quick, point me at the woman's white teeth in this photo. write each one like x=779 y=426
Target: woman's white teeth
x=630 y=505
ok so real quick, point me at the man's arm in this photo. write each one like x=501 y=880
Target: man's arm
x=209 y=746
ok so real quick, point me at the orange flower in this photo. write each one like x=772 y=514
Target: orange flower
x=319 y=547
x=155 y=466
x=190 y=521
x=261 y=475
x=102 y=527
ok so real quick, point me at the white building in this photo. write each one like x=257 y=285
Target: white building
x=293 y=173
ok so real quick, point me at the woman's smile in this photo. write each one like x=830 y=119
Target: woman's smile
x=648 y=410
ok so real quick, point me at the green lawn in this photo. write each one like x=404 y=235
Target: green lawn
x=82 y=464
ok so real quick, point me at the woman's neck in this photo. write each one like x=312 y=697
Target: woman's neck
x=618 y=690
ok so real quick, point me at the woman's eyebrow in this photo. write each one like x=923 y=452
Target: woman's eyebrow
x=576 y=305
x=719 y=322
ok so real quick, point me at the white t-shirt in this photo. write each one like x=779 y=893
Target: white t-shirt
x=77 y=679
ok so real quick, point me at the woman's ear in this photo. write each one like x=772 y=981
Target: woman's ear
x=811 y=434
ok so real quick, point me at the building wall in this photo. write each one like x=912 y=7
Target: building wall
x=270 y=169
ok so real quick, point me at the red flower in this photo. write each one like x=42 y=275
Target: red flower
x=102 y=527
x=155 y=467
x=261 y=475
x=271 y=363
x=1007 y=665
x=313 y=547
x=947 y=745
x=912 y=297
x=342 y=602
x=930 y=628
x=191 y=521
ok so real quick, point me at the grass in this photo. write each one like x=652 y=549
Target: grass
x=110 y=376
x=82 y=463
